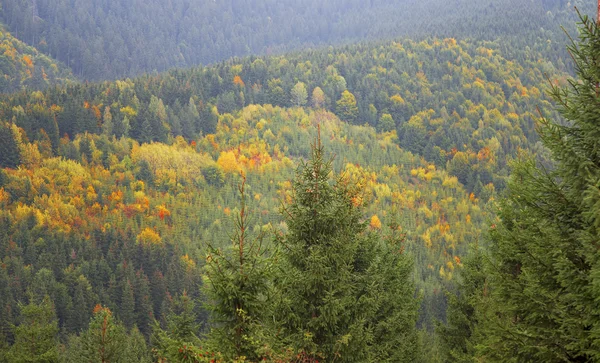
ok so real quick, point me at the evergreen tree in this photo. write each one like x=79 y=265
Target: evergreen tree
x=395 y=310
x=9 y=150
x=104 y=340
x=127 y=309
x=36 y=335
x=458 y=337
x=180 y=338
x=107 y=124
x=143 y=305
x=237 y=283
x=544 y=274
x=344 y=294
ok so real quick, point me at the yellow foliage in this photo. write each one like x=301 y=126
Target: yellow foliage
x=228 y=162
x=397 y=100
x=4 y=196
x=149 y=237
x=188 y=263
x=375 y=222
x=128 y=111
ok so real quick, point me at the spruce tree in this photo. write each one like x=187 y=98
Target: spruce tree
x=180 y=339
x=457 y=335
x=104 y=340
x=543 y=284
x=237 y=285
x=345 y=294
x=36 y=335
x=9 y=150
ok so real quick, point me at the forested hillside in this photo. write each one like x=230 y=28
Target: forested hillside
x=116 y=195
x=531 y=294
x=23 y=67
x=110 y=39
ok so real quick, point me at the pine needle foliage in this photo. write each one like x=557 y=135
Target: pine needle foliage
x=344 y=296
x=237 y=284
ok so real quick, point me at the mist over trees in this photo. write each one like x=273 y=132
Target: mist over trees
x=111 y=39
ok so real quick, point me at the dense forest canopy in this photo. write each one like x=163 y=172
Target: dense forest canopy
x=428 y=194
x=111 y=39
x=24 y=67
x=426 y=127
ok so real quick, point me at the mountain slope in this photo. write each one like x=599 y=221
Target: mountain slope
x=111 y=39
x=428 y=126
x=23 y=67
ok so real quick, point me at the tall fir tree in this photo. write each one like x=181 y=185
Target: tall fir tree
x=237 y=285
x=457 y=336
x=9 y=150
x=36 y=337
x=345 y=295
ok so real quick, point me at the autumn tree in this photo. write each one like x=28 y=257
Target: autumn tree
x=346 y=107
x=299 y=94
x=318 y=97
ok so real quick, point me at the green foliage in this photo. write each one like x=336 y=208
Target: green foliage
x=333 y=303
x=457 y=335
x=179 y=343
x=36 y=335
x=9 y=150
x=346 y=107
x=214 y=175
x=299 y=94
x=130 y=38
x=237 y=283
x=103 y=341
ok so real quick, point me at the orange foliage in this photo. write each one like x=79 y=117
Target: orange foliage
x=237 y=80
x=163 y=212
x=28 y=61
x=457 y=260
x=97 y=112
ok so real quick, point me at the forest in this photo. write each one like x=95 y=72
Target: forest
x=426 y=198
x=112 y=39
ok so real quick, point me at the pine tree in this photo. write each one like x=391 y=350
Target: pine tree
x=9 y=150
x=107 y=124
x=237 y=284
x=127 y=308
x=180 y=338
x=104 y=340
x=345 y=295
x=395 y=310
x=143 y=305
x=544 y=270
x=36 y=335
x=457 y=336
